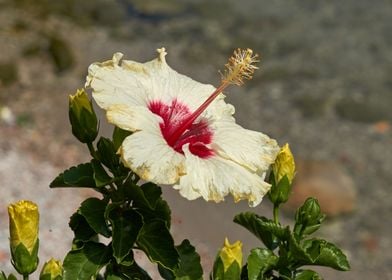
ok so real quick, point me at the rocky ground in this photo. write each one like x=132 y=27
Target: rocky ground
x=324 y=86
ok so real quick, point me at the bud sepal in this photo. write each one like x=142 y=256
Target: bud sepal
x=23 y=261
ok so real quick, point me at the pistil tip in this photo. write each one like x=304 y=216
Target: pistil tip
x=240 y=67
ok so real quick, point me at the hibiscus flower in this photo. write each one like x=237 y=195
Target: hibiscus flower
x=184 y=133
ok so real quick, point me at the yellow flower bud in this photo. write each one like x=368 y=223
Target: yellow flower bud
x=231 y=253
x=284 y=165
x=53 y=268
x=24 y=219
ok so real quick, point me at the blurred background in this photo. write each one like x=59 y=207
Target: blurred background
x=325 y=86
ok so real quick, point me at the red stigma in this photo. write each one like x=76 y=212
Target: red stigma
x=178 y=130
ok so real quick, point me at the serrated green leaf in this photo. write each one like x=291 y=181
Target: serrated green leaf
x=86 y=262
x=81 y=176
x=101 y=178
x=297 y=252
x=80 y=227
x=189 y=266
x=260 y=261
x=307 y=275
x=326 y=254
x=125 y=228
x=264 y=229
x=156 y=241
x=93 y=210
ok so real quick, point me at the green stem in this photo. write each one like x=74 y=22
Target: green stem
x=26 y=277
x=93 y=153
x=276 y=213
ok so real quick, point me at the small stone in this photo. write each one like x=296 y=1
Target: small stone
x=7 y=116
x=328 y=183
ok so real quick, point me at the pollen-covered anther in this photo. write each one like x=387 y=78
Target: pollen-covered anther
x=240 y=67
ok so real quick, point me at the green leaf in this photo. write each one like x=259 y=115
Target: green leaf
x=148 y=202
x=145 y=196
x=260 y=261
x=3 y=276
x=133 y=272
x=264 y=229
x=161 y=211
x=318 y=252
x=155 y=240
x=125 y=228
x=307 y=275
x=189 y=266
x=297 y=253
x=113 y=277
x=326 y=254
x=101 y=178
x=152 y=193
x=77 y=176
x=107 y=153
x=93 y=210
x=86 y=262
x=118 y=136
x=80 y=227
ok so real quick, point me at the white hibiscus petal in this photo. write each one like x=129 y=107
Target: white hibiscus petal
x=252 y=149
x=128 y=82
x=149 y=156
x=132 y=118
x=114 y=84
x=215 y=177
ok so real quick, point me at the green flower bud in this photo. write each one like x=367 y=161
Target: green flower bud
x=24 y=220
x=228 y=263
x=52 y=270
x=308 y=217
x=82 y=117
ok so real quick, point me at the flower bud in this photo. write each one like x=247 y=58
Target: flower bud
x=52 y=270
x=308 y=217
x=82 y=117
x=228 y=263
x=283 y=171
x=284 y=165
x=24 y=220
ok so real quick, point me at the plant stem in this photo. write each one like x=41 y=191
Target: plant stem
x=25 y=277
x=276 y=213
x=92 y=150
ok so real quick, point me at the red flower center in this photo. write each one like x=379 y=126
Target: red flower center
x=177 y=116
